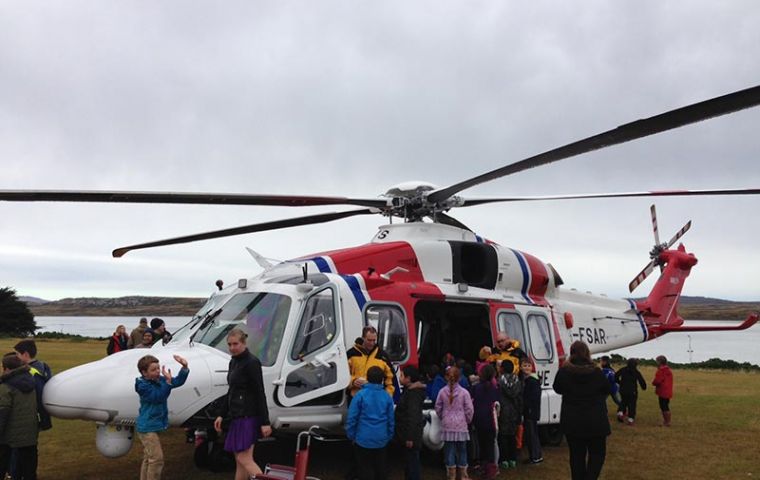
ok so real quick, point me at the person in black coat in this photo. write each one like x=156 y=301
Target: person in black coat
x=628 y=377
x=409 y=419
x=583 y=418
x=245 y=405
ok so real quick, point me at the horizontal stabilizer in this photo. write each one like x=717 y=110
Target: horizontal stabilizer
x=751 y=320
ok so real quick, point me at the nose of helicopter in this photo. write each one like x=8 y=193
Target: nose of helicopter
x=97 y=391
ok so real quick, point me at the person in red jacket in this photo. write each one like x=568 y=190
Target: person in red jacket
x=663 y=387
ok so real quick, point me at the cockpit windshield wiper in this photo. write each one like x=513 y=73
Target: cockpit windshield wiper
x=207 y=319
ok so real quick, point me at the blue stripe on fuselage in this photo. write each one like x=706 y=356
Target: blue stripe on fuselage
x=356 y=289
x=641 y=319
x=322 y=265
x=526 y=275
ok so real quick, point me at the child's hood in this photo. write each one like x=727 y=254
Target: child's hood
x=20 y=379
x=144 y=381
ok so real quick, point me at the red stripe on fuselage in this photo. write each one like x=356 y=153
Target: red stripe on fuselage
x=381 y=257
x=539 y=279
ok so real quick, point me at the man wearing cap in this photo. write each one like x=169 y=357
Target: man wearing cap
x=159 y=331
x=136 y=337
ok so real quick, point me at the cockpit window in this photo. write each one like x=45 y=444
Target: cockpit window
x=262 y=315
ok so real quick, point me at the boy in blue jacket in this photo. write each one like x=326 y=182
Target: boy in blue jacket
x=370 y=425
x=154 y=387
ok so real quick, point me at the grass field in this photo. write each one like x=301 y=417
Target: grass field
x=716 y=435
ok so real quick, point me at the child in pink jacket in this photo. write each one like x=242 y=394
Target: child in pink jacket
x=454 y=407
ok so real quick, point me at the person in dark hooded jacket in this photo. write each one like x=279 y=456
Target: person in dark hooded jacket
x=628 y=377
x=18 y=419
x=409 y=419
x=583 y=418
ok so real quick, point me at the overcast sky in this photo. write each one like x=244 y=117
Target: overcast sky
x=350 y=98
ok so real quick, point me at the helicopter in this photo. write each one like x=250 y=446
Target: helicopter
x=429 y=284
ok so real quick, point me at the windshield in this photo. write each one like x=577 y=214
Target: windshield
x=262 y=315
x=211 y=304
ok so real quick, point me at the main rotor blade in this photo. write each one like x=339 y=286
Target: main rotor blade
x=653 y=212
x=182 y=198
x=451 y=221
x=258 y=227
x=697 y=112
x=471 y=202
x=679 y=234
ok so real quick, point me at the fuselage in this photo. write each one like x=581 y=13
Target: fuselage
x=430 y=289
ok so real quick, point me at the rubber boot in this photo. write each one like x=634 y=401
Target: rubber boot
x=666 y=416
x=491 y=471
x=451 y=473
x=462 y=473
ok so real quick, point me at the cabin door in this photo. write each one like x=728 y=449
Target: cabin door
x=315 y=364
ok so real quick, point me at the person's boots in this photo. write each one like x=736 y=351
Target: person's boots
x=451 y=473
x=491 y=471
x=666 y=416
x=462 y=471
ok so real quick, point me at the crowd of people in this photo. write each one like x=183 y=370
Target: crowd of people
x=487 y=414
x=141 y=336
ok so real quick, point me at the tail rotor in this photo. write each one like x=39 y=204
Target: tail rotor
x=658 y=248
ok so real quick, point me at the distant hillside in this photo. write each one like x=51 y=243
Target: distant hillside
x=119 y=307
x=33 y=300
x=691 y=308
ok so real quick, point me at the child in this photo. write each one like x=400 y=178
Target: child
x=370 y=425
x=154 y=392
x=26 y=350
x=409 y=420
x=609 y=372
x=531 y=411
x=454 y=407
x=484 y=396
x=18 y=419
x=663 y=387
x=482 y=361
x=510 y=416
x=627 y=377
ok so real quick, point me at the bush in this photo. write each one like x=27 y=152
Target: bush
x=15 y=318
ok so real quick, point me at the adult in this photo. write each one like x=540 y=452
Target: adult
x=365 y=355
x=159 y=331
x=18 y=420
x=118 y=341
x=507 y=349
x=245 y=406
x=583 y=418
x=136 y=336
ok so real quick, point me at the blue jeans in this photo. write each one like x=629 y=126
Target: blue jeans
x=455 y=454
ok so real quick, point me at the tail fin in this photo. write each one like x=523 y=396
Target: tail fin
x=660 y=308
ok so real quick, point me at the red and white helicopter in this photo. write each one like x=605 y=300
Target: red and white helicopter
x=429 y=287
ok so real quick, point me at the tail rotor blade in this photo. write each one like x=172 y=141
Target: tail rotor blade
x=679 y=234
x=641 y=276
x=653 y=211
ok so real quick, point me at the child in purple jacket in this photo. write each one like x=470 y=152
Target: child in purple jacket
x=484 y=396
x=454 y=407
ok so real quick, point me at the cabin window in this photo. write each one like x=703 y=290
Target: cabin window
x=262 y=315
x=392 y=334
x=318 y=325
x=540 y=337
x=511 y=324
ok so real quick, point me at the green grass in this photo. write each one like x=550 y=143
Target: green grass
x=716 y=435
